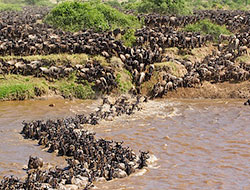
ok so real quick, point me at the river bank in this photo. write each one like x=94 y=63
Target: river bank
x=163 y=59
x=24 y=88
x=38 y=85
x=224 y=90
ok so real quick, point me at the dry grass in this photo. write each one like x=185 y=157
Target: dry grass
x=173 y=68
x=103 y=61
x=197 y=54
x=244 y=58
x=147 y=86
x=60 y=58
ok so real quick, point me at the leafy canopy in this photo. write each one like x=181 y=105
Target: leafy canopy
x=158 y=6
x=75 y=16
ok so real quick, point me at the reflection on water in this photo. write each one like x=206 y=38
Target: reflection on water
x=196 y=144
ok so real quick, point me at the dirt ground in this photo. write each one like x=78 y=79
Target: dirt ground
x=214 y=91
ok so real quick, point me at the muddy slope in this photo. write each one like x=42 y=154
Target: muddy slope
x=214 y=91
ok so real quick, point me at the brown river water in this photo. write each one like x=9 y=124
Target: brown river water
x=194 y=144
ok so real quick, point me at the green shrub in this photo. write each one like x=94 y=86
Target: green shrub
x=75 y=16
x=129 y=38
x=207 y=27
x=167 y=6
x=158 y=6
x=182 y=6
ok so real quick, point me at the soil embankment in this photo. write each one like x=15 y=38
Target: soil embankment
x=162 y=60
x=214 y=91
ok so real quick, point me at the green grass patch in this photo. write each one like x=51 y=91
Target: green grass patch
x=10 y=7
x=131 y=5
x=207 y=27
x=17 y=5
x=75 y=16
x=16 y=87
x=46 y=3
x=220 y=4
x=124 y=81
x=70 y=89
x=114 y=3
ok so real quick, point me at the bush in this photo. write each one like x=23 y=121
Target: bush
x=75 y=16
x=158 y=6
x=166 y=6
x=182 y=6
x=129 y=38
x=207 y=27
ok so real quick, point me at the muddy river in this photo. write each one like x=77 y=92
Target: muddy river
x=195 y=144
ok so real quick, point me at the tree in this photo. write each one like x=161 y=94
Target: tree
x=164 y=6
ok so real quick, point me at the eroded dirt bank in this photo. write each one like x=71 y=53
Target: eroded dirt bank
x=214 y=91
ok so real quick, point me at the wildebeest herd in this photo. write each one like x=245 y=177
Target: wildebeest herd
x=24 y=33
x=234 y=20
x=88 y=158
x=217 y=67
x=93 y=72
